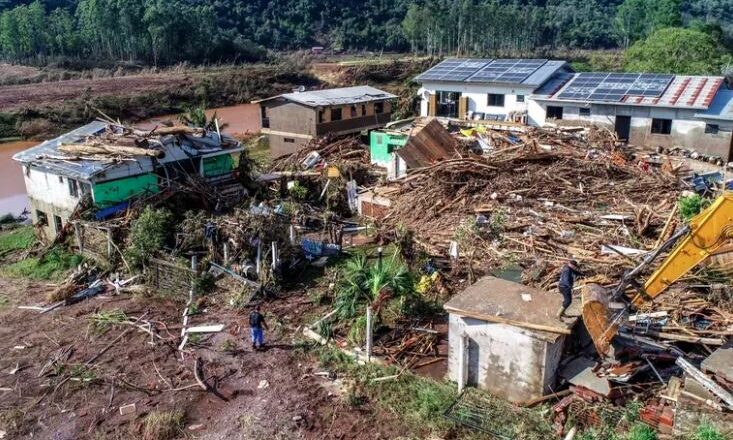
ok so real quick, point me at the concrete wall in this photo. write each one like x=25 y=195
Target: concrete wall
x=291 y=117
x=507 y=361
x=688 y=131
x=478 y=96
x=49 y=193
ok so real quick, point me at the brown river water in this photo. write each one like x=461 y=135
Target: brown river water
x=241 y=120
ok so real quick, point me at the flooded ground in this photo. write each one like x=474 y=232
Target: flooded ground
x=240 y=120
x=12 y=188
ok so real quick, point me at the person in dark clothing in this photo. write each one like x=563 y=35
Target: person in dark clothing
x=567 y=279
x=256 y=324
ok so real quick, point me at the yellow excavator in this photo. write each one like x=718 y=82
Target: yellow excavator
x=709 y=233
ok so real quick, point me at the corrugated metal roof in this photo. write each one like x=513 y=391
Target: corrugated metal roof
x=686 y=92
x=82 y=169
x=340 y=96
x=721 y=108
x=554 y=84
x=544 y=73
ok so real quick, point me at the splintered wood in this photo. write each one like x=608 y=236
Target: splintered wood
x=538 y=201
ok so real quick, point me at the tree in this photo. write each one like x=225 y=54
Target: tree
x=675 y=50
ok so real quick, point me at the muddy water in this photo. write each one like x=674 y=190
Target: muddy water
x=12 y=187
x=240 y=119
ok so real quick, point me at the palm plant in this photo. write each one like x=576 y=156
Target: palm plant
x=364 y=283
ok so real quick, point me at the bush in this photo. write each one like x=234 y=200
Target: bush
x=148 y=235
x=692 y=206
x=707 y=432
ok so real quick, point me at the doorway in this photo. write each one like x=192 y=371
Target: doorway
x=473 y=363
x=554 y=112
x=448 y=104
x=623 y=127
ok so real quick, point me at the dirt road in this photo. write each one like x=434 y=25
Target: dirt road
x=261 y=395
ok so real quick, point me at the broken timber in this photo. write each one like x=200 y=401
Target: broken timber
x=500 y=320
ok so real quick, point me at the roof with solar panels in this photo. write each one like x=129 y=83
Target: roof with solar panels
x=637 y=89
x=526 y=72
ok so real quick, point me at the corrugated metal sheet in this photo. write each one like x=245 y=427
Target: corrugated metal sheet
x=340 y=96
x=544 y=73
x=554 y=84
x=428 y=144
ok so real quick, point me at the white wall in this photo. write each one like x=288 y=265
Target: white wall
x=478 y=96
x=512 y=362
x=49 y=188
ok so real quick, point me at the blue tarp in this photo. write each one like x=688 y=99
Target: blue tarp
x=106 y=213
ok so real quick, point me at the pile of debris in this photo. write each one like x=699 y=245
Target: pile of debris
x=550 y=196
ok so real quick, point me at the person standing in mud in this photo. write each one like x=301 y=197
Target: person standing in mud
x=257 y=326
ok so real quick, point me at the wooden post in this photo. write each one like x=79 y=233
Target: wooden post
x=226 y=253
x=292 y=235
x=258 y=263
x=79 y=241
x=369 y=333
x=432 y=104
x=274 y=255
x=109 y=244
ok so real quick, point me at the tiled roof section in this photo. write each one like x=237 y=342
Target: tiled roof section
x=684 y=92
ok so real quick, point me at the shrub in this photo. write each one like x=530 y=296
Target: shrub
x=148 y=235
x=692 y=206
x=163 y=425
x=707 y=432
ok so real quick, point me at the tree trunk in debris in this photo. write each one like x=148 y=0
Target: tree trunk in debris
x=92 y=149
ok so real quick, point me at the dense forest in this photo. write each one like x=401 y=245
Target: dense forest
x=169 y=31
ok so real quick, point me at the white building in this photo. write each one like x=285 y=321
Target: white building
x=503 y=337
x=485 y=89
x=647 y=110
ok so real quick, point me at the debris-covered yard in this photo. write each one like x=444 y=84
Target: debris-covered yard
x=133 y=321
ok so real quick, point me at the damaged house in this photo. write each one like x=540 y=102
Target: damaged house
x=59 y=173
x=291 y=120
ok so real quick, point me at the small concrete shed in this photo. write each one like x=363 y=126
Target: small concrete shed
x=504 y=338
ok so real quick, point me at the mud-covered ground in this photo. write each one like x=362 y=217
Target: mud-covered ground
x=273 y=394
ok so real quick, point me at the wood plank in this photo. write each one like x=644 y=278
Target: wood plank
x=500 y=320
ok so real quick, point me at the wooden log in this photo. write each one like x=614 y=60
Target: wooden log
x=105 y=149
x=176 y=130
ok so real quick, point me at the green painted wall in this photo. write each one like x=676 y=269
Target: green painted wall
x=117 y=191
x=383 y=144
x=218 y=165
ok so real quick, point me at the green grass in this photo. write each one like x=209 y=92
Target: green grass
x=707 y=432
x=163 y=425
x=16 y=240
x=4 y=301
x=52 y=267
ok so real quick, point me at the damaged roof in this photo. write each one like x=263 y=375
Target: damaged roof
x=497 y=300
x=340 y=96
x=721 y=108
x=46 y=156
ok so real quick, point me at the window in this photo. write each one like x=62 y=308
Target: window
x=336 y=114
x=41 y=218
x=321 y=116
x=57 y=223
x=289 y=140
x=520 y=98
x=378 y=138
x=353 y=111
x=712 y=128
x=73 y=187
x=661 y=126
x=61 y=179
x=363 y=109
x=378 y=107
x=585 y=112
x=496 y=100
x=554 y=112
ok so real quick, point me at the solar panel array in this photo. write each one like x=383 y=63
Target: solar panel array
x=613 y=87
x=483 y=70
x=507 y=71
x=454 y=69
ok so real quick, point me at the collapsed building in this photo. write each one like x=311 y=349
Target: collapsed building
x=647 y=110
x=109 y=164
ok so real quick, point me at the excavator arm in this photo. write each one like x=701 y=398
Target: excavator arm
x=708 y=233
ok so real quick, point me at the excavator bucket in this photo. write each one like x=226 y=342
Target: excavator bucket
x=598 y=317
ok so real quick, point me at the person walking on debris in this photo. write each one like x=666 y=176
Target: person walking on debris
x=567 y=280
x=256 y=324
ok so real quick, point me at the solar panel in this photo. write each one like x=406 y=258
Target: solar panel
x=613 y=87
x=454 y=69
x=506 y=70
